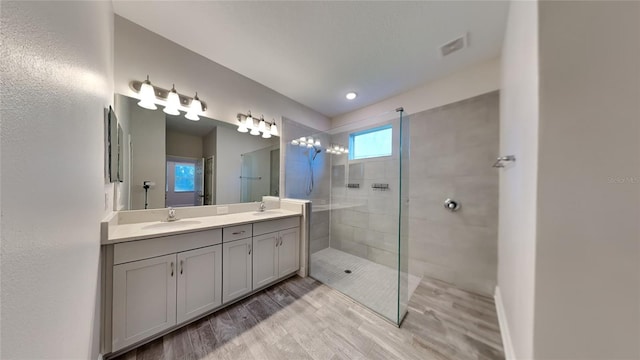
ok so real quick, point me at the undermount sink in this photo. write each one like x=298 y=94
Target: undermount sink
x=177 y=224
x=268 y=212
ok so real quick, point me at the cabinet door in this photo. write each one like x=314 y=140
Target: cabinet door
x=288 y=253
x=199 y=281
x=265 y=259
x=144 y=299
x=236 y=273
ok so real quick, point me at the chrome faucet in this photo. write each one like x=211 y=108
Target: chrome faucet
x=172 y=214
x=262 y=207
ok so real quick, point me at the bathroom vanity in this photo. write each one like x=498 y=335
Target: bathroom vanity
x=159 y=275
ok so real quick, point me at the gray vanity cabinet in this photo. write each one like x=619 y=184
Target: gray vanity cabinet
x=276 y=255
x=144 y=299
x=199 y=274
x=160 y=283
x=265 y=259
x=236 y=269
x=288 y=252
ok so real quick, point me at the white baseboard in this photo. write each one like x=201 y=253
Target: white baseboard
x=100 y=356
x=509 y=354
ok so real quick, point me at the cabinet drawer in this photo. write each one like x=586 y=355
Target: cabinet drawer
x=236 y=232
x=144 y=249
x=265 y=227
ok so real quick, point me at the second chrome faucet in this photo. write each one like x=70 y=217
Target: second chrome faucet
x=172 y=215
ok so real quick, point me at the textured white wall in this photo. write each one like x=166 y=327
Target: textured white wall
x=472 y=81
x=587 y=297
x=518 y=183
x=57 y=61
x=139 y=52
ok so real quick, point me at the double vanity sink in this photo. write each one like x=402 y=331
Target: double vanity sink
x=160 y=275
x=144 y=230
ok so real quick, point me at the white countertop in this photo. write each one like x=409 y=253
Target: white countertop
x=146 y=230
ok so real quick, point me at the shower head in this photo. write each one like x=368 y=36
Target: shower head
x=317 y=151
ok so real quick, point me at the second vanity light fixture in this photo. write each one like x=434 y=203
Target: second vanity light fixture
x=337 y=149
x=247 y=123
x=173 y=102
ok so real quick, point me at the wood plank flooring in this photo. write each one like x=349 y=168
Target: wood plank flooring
x=304 y=319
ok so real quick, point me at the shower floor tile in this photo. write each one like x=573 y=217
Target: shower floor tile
x=371 y=284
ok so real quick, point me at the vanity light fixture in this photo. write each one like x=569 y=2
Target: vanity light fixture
x=336 y=149
x=173 y=102
x=195 y=109
x=247 y=122
x=308 y=142
x=147 y=95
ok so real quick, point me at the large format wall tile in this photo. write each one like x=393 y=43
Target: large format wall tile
x=452 y=150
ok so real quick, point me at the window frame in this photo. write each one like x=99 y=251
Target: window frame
x=353 y=135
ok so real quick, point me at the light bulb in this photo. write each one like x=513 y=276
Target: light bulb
x=147 y=95
x=173 y=101
x=317 y=143
x=195 y=109
x=346 y=150
x=262 y=125
x=303 y=140
x=294 y=142
x=310 y=140
x=274 y=128
x=255 y=132
x=309 y=145
x=341 y=148
x=249 y=121
x=266 y=135
x=351 y=96
x=336 y=147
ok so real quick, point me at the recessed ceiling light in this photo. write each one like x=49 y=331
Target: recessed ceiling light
x=351 y=95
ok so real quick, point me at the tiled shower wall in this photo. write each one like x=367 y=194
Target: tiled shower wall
x=452 y=150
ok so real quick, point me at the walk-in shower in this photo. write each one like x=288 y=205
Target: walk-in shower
x=357 y=179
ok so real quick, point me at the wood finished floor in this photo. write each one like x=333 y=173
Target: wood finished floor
x=304 y=319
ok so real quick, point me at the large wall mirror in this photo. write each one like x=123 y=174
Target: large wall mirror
x=172 y=161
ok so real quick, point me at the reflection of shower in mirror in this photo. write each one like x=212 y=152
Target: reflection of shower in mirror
x=312 y=157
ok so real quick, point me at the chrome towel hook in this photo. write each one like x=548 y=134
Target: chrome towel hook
x=500 y=162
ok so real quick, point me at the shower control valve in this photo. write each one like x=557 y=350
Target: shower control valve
x=451 y=205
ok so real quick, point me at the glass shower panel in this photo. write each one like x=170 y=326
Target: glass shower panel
x=406 y=284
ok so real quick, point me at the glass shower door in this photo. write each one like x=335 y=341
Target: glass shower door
x=365 y=255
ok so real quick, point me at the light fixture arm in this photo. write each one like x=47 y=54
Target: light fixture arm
x=163 y=94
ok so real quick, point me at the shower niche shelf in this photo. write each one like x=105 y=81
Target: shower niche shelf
x=381 y=187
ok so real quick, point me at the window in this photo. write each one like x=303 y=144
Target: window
x=370 y=143
x=184 y=177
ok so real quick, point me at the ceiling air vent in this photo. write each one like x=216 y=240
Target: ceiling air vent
x=454 y=45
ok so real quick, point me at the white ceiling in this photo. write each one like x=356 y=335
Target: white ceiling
x=316 y=52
